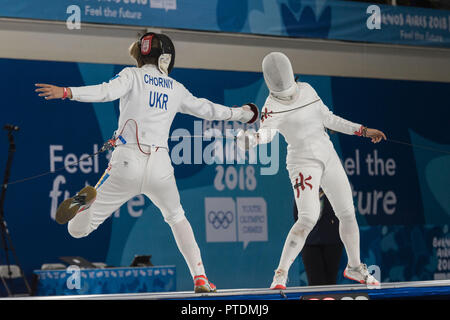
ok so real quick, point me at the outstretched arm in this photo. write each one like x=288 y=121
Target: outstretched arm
x=107 y=91
x=205 y=109
x=339 y=124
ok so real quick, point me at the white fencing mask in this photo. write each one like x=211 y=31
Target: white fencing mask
x=279 y=76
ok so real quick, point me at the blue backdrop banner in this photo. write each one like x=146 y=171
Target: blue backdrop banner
x=324 y=19
x=240 y=212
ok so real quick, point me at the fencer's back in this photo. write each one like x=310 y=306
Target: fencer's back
x=152 y=101
x=149 y=101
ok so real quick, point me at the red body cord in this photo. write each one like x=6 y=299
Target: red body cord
x=137 y=136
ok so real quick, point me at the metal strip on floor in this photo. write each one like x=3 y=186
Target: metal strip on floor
x=390 y=290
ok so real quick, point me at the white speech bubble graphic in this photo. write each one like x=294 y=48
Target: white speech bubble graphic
x=375 y=271
x=252 y=220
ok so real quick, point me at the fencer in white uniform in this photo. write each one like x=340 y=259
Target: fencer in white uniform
x=295 y=111
x=140 y=163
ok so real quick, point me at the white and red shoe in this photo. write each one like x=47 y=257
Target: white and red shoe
x=361 y=274
x=279 y=280
x=202 y=284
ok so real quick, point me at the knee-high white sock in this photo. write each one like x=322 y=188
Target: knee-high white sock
x=184 y=237
x=294 y=242
x=349 y=232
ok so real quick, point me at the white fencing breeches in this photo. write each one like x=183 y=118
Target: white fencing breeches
x=306 y=178
x=130 y=173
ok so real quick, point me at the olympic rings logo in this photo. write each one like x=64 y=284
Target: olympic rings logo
x=220 y=219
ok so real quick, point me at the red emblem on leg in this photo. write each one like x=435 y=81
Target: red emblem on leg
x=302 y=183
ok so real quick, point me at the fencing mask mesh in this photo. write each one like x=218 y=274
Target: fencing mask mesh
x=279 y=76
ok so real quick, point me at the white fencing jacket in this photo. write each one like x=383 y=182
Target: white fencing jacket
x=304 y=127
x=152 y=99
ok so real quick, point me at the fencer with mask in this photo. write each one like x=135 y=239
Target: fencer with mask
x=295 y=111
x=140 y=163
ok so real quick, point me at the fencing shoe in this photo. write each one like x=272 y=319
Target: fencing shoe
x=279 y=280
x=360 y=274
x=201 y=284
x=71 y=206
